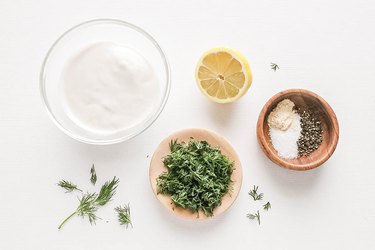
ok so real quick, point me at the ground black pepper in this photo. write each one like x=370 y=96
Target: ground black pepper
x=311 y=134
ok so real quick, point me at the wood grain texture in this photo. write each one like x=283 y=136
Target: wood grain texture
x=214 y=139
x=304 y=100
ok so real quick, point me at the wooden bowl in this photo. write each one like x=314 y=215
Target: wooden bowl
x=303 y=99
x=214 y=139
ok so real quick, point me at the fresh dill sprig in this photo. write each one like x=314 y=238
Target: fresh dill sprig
x=274 y=66
x=254 y=193
x=107 y=191
x=68 y=186
x=267 y=206
x=123 y=214
x=198 y=176
x=86 y=207
x=89 y=202
x=93 y=175
x=254 y=216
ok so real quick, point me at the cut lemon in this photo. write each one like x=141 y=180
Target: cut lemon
x=223 y=75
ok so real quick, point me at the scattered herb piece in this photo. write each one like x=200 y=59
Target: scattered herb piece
x=123 y=214
x=274 y=66
x=107 y=191
x=68 y=186
x=267 y=206
x=254 y=193
x=93 y=175
x=197 y=177
x=254 y=216
x=89 y=202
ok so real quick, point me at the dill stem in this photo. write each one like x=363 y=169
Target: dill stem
x=70 y=216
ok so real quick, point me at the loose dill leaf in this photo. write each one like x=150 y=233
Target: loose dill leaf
x=267 y=206
x=197 y=177
x=254 y=193
x=254 y=216
x=68 y=186
x=107 y=191
x=93 y=178
x=123 y=214
x=87 y=207
x=274 y=66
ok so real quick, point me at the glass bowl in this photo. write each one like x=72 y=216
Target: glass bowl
x=80 y=36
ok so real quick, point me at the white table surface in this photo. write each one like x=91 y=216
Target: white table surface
x=324 y=46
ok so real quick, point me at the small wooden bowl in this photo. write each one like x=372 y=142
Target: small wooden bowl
x=304 y=100
x=216 y=140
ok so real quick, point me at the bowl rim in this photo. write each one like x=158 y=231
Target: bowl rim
x=149 y=122
x=285 y=163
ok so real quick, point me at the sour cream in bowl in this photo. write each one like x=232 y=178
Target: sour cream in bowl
x=104 y=81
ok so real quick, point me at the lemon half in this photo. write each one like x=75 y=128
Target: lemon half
x=223 y=75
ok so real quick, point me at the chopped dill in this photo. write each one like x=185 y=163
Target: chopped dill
x=197 y=177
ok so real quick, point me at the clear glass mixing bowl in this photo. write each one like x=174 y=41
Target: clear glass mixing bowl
x=80 y=36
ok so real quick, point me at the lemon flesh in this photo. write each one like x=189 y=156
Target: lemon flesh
x=223 y=75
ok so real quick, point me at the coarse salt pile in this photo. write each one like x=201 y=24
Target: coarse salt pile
x=285 y=129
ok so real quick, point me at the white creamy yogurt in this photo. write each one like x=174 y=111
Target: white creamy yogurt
x=109 y=87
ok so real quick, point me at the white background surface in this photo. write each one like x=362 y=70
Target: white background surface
x=324 y=46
